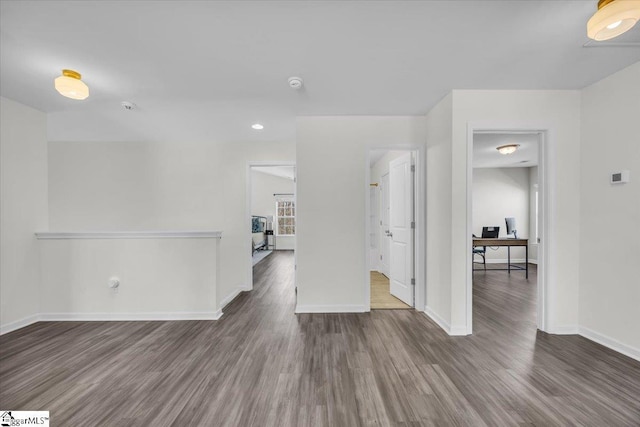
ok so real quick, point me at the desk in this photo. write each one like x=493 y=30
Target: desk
x=508 y=243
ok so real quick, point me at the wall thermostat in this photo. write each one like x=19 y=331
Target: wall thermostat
x=621 y=177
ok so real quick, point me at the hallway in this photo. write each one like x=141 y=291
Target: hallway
x=262 y=365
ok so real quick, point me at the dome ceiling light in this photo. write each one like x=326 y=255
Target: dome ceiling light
x=508 y=149
x=614 y=17
x=70 y=85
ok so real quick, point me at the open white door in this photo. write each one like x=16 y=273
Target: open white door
x=400 y=227
x=385 y=240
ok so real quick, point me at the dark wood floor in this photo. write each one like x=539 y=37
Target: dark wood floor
x=262 y=365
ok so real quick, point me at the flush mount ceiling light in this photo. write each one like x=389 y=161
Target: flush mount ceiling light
x=613 y=18
x=70 y=85
x=257 y=126
x=508 y=149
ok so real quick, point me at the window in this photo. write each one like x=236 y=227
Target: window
x=286 y=217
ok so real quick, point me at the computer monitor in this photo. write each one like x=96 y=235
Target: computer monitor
x=490 y=232
x=511 y=227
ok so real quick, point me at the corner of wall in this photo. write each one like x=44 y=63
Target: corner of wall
x=24 y=188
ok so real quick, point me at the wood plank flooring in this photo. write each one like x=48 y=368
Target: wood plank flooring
x=381 y=297
x=261 y=365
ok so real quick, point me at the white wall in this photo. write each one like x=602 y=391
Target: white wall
x=559 y=110
x=263 y=201
x=23 y=188
x=332 y=195
x=499 y=193
x=438 y=263
x=610 y=214
x=134 y=186
x=161 y=186
x=160 y=278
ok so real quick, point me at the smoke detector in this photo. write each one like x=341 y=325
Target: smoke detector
x=127 y=105
x=295 y=83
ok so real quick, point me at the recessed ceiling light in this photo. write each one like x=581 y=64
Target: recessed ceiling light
x=613 y=18
x=257 y=126
x=508 y=149
x=70 y=85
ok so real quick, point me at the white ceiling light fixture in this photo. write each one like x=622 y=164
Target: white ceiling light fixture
x=70 y=85
x=508 y=149
x=614 y=17
x=257 y=126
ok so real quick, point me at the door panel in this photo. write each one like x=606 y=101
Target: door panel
x=374 y=234
x=401 y=232
x=385 y=240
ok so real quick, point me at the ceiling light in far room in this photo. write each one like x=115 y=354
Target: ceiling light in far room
x=70 y=85
x=508 y=149
x=257 y=126
x=613 y=18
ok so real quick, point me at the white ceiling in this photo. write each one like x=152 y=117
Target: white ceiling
x=485 y=154
x=287 y=172
x=201 y=70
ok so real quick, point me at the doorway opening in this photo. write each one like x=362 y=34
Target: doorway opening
x=393 y=213
x=271 y=212
x=507 y=223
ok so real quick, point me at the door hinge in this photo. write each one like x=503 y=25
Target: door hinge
x=380 y=257
x=413 y=224
x=380 y=222
x=413 y=281
x=413 y=168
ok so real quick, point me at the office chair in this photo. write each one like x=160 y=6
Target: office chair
x=482 y=251
x=490 y=232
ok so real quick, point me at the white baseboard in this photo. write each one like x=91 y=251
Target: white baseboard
x=154 y=316
x=611 y=343
x=513 y=261
x=346 y=308
x=14 y=326
x=107 y=317
x=231 y=297
x=563 y=330
x=453 y=331
x=436 y=318
x=458 y=331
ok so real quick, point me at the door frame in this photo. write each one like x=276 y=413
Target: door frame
x=247 y=232
x=419 y=212
x=546 y=269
